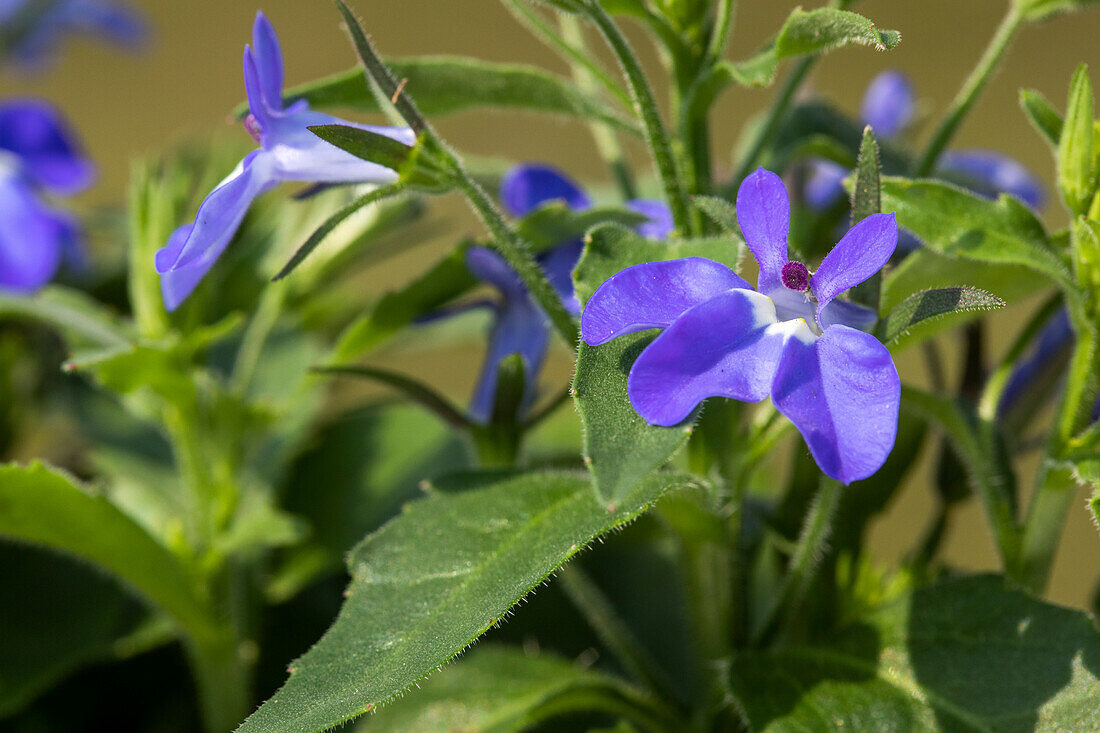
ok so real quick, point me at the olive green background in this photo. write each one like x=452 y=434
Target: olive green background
x=189 y=77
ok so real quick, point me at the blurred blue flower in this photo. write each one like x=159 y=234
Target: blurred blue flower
x=38 y=154
x=889 y=106
x=37 y=27
x=790 y=338
x=519 y=325
x=288 y=152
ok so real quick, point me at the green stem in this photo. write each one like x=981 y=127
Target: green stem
x=804 y=562
x=255 y=336
x=995 y=385
x=223 y=680
x=606 y=141
x=597 y=610
x=765 y=131
x=969 y=92
x=720 y=32
x=645 y=106
x=517 y=252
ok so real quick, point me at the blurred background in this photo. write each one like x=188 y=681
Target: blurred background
x=182 y=86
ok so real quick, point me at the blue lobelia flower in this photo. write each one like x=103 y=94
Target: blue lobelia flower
x=41 y=24
x=791 y=338
x=288 y=152
x=519 y=326
x=38 y=153
x=889 y=106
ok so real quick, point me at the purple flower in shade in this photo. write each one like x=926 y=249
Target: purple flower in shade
x=889 y=106
x=38 y=26
x=288 y=152
x=519 y=326
x=791 y=338
x=38 y=153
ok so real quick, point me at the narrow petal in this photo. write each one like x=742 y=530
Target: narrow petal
x=31 y=238
x=528 y=186
x=269 y=62
x=859 y=254
x=842 y=392
x=824 y=183
x=728 y=346
x=889 y=103
x=764 y=214
x=254 y=91
x=558 y=264
x=653 y=295
x=989 y=173
x=489 y=267
x=47 y=149
x=299 y=155
x=219 y=215
x=520 y=328
x=660 y=223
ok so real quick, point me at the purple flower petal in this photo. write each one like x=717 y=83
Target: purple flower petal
x=47 y=149
x=1053 y=340
x=660 y=223
x=558 y=264
x=299 y=155
x=489 y=267
x=846 y=313
x=112 y=21
x=520 y=328
x=32 y=238
x=889 y=103
x=989 y=173
x=842 y=392
x=764 y=214
x=269 y=62
x=219 y=215
x=857 y=256
x=653 y=295
x=728 y=346
x=824 y=183
x=528 y=186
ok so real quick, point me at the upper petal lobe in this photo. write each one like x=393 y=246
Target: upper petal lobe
x=889 y=103
x=47 y=149
x=857 y=256
x=526 y=187
x=764 y=215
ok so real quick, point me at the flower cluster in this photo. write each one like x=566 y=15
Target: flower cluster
x=288 y=152
x=791 y=338
x=519 y=326
x=38 y=155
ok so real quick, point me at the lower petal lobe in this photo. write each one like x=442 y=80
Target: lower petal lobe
x=727 y=346
x=653 y=295
x=31 y=238
x=842 y=392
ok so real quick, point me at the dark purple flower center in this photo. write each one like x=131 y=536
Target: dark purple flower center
x=253 y=127
x=795 y=276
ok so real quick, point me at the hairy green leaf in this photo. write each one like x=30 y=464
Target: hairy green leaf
x=48 y=508
x=1076 y=165
x=1043 y=117
x=968 y=654
x=434 y=579
x=448 y=84
x=867 y=200
x=960 y=224
x=720 y=211
x=447 y=280
x=500 y=690
x=935 y=303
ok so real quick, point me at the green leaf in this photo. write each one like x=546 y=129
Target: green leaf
x=502 y=689
x=619 y=446
x=447 y=84
x=414 y=390
x=1042 y=9
x=611 y=248
x=46 y=635
x=554 y=223
x=84 y=322
x=960 y=224
x=937 y=303
x=1076 y=166
x=412 y=163
x=1043 y=117
x=867 y=200
x=447 y=280
x=48 y=508
x=434 y=579
x=720 y=211
x=968 y=654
